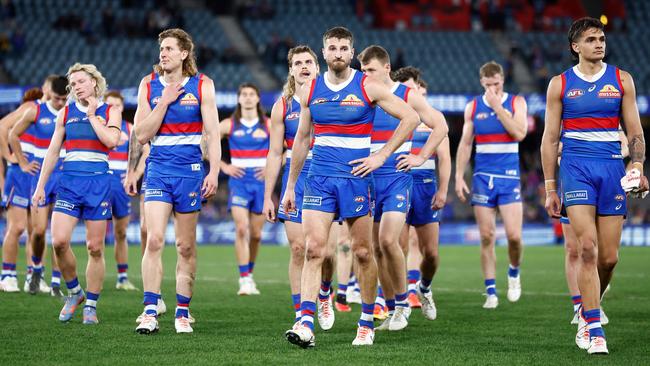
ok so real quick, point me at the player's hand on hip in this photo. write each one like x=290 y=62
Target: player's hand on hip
x=553 y=204
x=366 y=165
x=31 y=168
x=409 y=161
x=209 y=187
x=461 y=190
x=259 y=173
x=233 y=171
x=269 y=210
x=171 y=93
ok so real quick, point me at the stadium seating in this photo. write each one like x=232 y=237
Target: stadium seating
x=123 y=60
x=449 y=60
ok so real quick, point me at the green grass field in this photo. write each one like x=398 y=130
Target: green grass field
x=250 y=330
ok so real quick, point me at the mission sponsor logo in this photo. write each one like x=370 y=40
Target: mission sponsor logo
x=260 y=134
x=352 y=101
x=609 y=91
x=575 y=93
x=189 y=99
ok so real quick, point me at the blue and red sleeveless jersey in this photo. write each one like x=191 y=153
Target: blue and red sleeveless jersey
x=291 y=118
x=428 y=169
x=119 y=156
x=176 y=147
x=43 y=130
x=382 y=130
x=249 y=145
x=85 y=153
x=342 y=116
x=590 y=113
x=496 y=151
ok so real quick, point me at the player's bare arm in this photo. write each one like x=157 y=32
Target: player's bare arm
x=550 y=144
x=51 y=158
x=300 y=146
x=464 y=152
x=630 y=114
x=273 y=159
x=444 y=174
x=20 y=126
x=6 y=123
x=435 y=120
x=211 y=133
x=395 y=107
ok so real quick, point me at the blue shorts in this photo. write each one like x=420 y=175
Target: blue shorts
x=84 y=197
x=51 y=187
x=295 y=215
x=183 y=193
x=345 y=197
x=493 y=191
x=120 y=201
x=246 y=193
x=17 y=188
x=392 y=193
x=594 y=182
x=421 y=212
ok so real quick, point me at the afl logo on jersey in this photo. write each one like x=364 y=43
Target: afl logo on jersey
x=319 y=101
x=352 y=101
x=189 y=99
x=239 y=133
x=155 y=100
x=609 y=91
x=45 y=121
x=293 y=115
x=575 y=93
x=482 y=115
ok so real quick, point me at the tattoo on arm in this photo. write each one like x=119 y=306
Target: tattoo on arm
x=637 y=148
x=135 y=152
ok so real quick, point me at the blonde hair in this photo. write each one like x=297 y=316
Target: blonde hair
x=185 y=43
x=91 y=70
x=490 y=69
x=289 y=89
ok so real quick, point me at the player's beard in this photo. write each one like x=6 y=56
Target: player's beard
x=338 y=66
